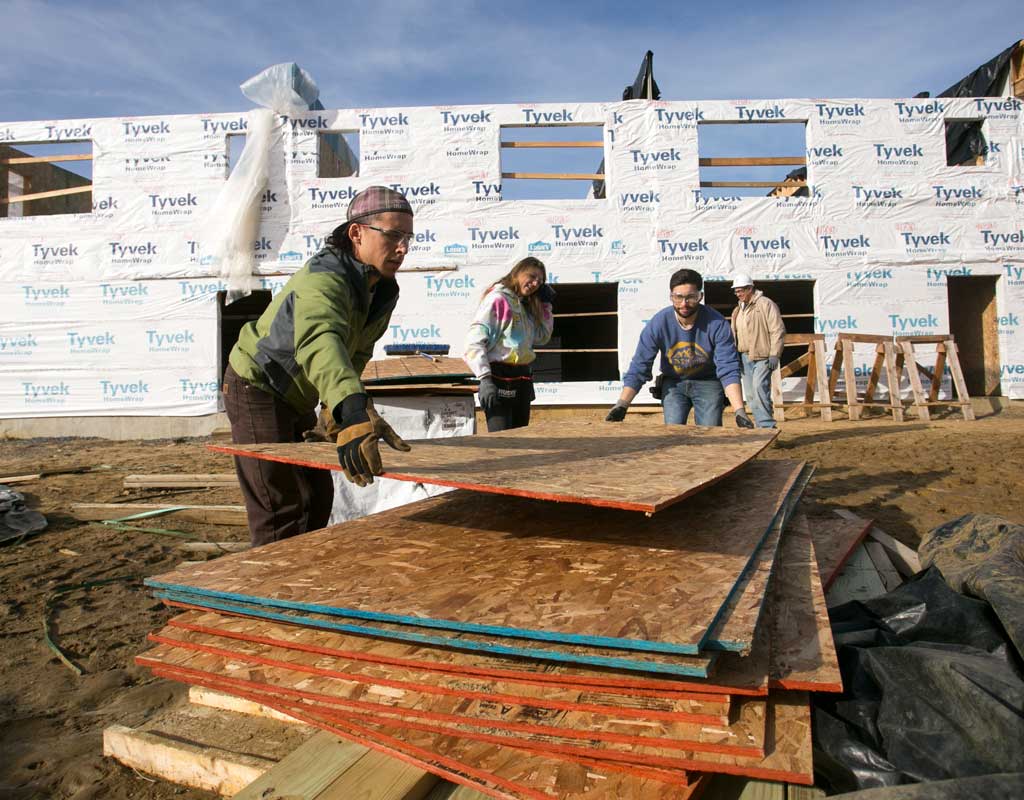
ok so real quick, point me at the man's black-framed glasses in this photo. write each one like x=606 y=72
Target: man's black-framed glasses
x=395 y=238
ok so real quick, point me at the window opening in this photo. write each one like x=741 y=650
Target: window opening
x=584 y=345
x=44 y=178
x=795 y=299
x=965 y=143
x=752 y=159
x=337 y=154
x=550 y=162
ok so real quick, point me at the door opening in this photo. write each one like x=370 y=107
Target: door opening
x=974 y=323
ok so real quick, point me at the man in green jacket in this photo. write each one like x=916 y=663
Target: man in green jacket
x=312 y=343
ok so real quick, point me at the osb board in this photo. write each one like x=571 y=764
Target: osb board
x=742 y=676
x=803 y=654
x=634 y=467
x=787 y=738
x=363 y=659
x=576 y=733
x=835 y=539
x=669 y=664
x=432 y=369
x=500 y=771
x=554 y=572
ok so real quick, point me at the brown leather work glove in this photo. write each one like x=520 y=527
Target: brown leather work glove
x=361 y=430
x=325 y=430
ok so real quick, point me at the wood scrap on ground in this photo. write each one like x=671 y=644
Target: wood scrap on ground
x=212 y=514
x=180 y=481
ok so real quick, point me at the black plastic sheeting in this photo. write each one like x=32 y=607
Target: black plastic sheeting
x=933 y=691
x=17 y=521
x=965 y=140
x=1008 y=786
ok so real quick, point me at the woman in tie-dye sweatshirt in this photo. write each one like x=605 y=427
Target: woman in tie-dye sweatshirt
x=514 y=317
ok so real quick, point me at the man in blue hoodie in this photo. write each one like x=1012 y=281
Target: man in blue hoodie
x=699 y=362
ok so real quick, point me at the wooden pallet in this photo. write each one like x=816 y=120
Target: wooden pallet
x=885 y=358
x=817 y=377
x=946 y=355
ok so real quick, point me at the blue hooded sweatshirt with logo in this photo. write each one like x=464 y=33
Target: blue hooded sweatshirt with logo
x=706 y=352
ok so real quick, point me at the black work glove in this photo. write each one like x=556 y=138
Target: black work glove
x=488 y=393
x=617 y=414
x=385 y=432
x=742 y=420
x=546 y=294
x=357 y=441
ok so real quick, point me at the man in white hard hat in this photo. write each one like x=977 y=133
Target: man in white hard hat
x=760 y=337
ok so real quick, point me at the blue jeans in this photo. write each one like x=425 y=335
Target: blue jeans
x=706 y=398
x=757 y=389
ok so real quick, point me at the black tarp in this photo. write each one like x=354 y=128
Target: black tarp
x=965 y=140
x=933 y=691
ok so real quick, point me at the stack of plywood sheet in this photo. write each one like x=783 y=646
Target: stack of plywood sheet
x=419 y=374
x=531 y=648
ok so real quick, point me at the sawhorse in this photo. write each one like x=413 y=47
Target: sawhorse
x=946 y=355
x=885 y=356
x=817 y=377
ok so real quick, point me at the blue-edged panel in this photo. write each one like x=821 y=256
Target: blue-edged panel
x=256 y=609
x=782 y=520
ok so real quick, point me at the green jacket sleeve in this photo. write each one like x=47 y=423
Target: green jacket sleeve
x=323 y=315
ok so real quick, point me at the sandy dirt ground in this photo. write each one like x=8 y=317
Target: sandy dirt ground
x=908 y=477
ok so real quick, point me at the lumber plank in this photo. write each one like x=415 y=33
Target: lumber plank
x=571 y=461
x=794 y=792
x=886 y=571
x=803 y=653
x=208 y=698
x=903 y=558
x=214 y=547
x=199 y=766
x=858 y=580
x=25 y=198
x=835 y=540
x=316 y=769
x=555 y=176
x=552 y=144
x=213 y=515
x=201 y=481
x=754 y=161
x=750 y=184
x=572 y=565
x=46 y=159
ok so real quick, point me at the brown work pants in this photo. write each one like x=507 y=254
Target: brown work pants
x=281 y=500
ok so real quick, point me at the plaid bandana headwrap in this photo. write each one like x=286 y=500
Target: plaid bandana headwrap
x=376 y=200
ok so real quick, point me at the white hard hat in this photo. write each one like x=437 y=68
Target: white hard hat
x=741 y=279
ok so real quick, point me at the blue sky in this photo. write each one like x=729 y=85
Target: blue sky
x=91 y=58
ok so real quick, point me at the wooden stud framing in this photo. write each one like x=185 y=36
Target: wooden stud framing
x=1017 y=70
x=747 y=161
x=555 y=176
x=24 y=198
x=798 y=184
x=552 y=144
x=46 y=159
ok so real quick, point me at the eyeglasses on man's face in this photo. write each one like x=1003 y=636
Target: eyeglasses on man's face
x=689 y=299
x=394 y=238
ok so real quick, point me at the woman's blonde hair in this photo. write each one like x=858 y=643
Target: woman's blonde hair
x=532 y=302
